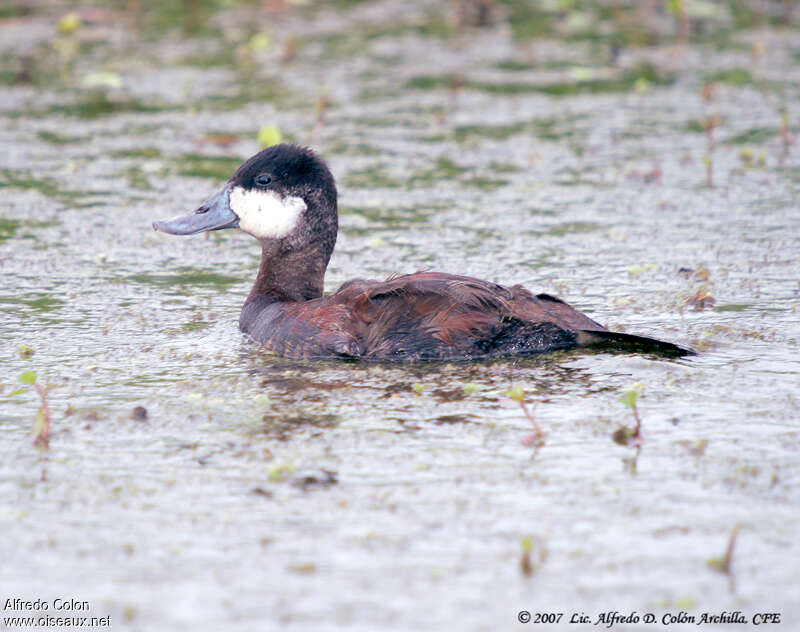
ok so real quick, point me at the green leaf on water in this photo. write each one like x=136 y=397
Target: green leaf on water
x=629 y=398
x=470 y=388
x=258 y=42
x=417 y=387
x=28 y=377
x=69 y=23
x=102 y=79
x=517 y=393
x=25 y=352
x=17 y=392
x=278 y=473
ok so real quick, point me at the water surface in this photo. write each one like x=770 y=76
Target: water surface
x=513 y=151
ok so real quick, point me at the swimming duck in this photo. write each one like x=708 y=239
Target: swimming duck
x=285 y=196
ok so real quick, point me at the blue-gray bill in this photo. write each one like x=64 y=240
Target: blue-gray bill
x=214 y=214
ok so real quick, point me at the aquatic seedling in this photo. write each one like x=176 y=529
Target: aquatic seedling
x=678 y=9
x=724 y=564
x=41 y=423
x=536 y=438
x=626 y=435
x=534 y=554
x=280 y=473
x=69 y=23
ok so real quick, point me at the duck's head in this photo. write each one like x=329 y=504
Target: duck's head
x=284 y=196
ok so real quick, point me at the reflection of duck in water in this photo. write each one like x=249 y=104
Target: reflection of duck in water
x=285 y=197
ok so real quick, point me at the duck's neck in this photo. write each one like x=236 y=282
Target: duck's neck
x=288 y=275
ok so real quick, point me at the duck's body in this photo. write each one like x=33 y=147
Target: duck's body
x=285 y=196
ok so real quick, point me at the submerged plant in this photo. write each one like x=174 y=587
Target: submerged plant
x=626 y=435
x=535 y=438
x=724 y=564
x=41 y=423
x=534 y=554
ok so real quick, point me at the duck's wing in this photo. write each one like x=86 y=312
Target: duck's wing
x=436 y=316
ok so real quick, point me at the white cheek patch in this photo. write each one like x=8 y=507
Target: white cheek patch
x=265 y=214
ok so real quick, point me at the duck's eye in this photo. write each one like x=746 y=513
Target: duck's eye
x=262 y=180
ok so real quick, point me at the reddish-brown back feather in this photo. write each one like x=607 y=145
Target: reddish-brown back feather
x=426 y=315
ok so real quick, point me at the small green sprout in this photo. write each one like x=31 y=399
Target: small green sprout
x=535 y=438
x=470 y=388
x=517 y=393
x=279 y=473
x=41 y=423
x=534 y=554
x=259 y=41
x=642 y=85
x=69 y=23
x=28 y=377
x=418 y=388
x=25 y=352
x=724 y=564
x=629 y=398
x=675 y=6
x=625 y=435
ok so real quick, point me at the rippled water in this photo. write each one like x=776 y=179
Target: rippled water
x=265 y=493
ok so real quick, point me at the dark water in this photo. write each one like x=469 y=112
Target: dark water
x=513 y=152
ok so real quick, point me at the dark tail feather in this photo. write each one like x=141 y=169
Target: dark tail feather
x=629 y=342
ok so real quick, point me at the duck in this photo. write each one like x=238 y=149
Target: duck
x=285 y=196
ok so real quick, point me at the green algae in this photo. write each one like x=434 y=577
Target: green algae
x=371 y=177
x=753 y=136
x=198 y=166
x=8 y=228
x=21 y=180
x=54 y=138
x=734 y=76
x=626 y=81
x=443 y=169
x=186 y=277
x=98 y=105
x=40 y=302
